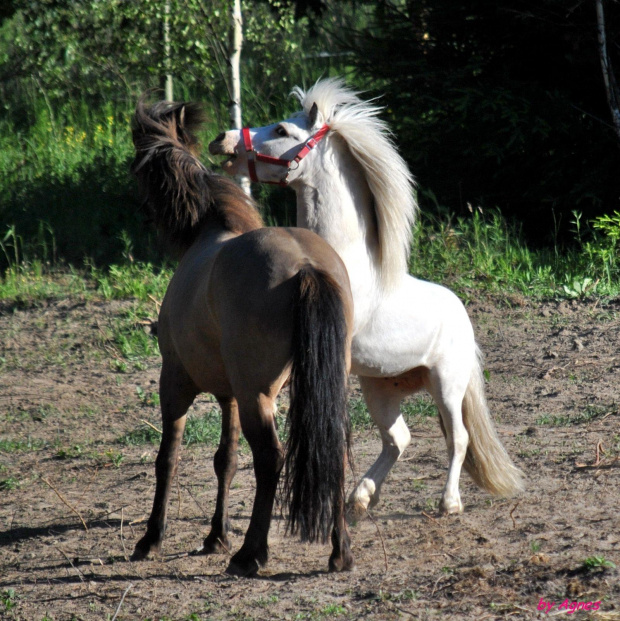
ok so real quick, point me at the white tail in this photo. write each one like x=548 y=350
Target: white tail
x=486 y=461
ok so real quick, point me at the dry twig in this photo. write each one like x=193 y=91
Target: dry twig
x=80 y=574
x=372 y=519
x=146 y=422
x=514 y=524
x=430 y=517
x=118 y=609
x=64 y=501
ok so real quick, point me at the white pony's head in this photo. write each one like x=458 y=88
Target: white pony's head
x=331 y=103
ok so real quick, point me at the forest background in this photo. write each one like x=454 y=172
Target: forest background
x=500 y=108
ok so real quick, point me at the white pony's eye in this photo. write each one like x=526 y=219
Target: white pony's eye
x=280 y=131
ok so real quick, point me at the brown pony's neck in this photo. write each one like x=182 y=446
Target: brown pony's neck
x=180 y=194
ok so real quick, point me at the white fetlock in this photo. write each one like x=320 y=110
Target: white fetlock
x=451 y=505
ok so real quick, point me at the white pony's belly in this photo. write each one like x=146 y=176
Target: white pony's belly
x=417 y=325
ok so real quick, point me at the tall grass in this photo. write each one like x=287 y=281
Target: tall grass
x=485 y=252
x=70 y=222
x=64 y=176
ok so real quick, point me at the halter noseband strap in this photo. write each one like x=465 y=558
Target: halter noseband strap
x=254 y=156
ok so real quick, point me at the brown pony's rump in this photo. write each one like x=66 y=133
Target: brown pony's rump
x=246 y=308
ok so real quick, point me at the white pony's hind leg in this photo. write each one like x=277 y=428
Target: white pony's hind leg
x=383 y=402
x=448 y=395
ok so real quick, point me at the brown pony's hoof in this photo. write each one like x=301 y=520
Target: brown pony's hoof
x=342 y=563
x=248 y=569
x=144 y=548
x=214 y=545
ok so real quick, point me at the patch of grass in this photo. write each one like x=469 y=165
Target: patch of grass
x=9 y=445
x=71 y=452
x=134 y=280
x=587 y=415
x=140 y=436
x=332 y=610
x=597 y=562
x=9 y=484
x=115 y=458
x=8 y=599
x=265 y=602
x=358 y=413
x=36 y=413
x=483 y=251
x=150 y=400
x=415 y=411
x=204 y=429
x=418 y=409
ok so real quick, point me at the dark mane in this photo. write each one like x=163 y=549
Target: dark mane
x=180 y=194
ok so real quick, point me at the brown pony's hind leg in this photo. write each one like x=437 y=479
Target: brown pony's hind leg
x=259 y=429
x=341 y=558
x=225 y=465
x=177 y=392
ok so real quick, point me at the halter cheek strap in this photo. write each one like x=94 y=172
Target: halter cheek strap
x=254 y=156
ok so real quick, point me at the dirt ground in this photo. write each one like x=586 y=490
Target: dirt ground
x=73 y=499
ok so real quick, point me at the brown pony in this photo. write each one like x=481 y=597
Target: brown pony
x=247 y=309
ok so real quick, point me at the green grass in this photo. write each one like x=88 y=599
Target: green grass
x=485 y=252
x=8 y=445
x=587 y=415
x=415 y=410
x=203 y=429
x=593 y=563
x=69 y=200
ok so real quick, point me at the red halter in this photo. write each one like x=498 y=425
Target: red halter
x=254 y=156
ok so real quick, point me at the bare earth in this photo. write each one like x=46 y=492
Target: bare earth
x=74 y=499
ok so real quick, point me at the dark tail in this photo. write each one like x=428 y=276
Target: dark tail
x=319 y=428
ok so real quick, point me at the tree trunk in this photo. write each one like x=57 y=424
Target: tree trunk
x=611 y=86
x=235 y=75
x=168 y=92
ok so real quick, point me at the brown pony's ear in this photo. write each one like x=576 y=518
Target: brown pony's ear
x=314 y=114
x=182 y=117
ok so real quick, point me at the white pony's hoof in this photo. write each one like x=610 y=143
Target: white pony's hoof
x=451 y=507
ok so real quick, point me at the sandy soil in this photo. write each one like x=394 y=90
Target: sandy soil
x=73 y=499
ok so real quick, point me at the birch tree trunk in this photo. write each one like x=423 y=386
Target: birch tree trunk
x=168 y=91
x=235 y=77
x=611 y=86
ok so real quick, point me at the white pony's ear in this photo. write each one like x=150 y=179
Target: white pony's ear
x=316 y=118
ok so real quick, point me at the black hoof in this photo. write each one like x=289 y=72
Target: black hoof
x=342 y=563
x=243 y=570
x=144 y=548
x=215 y=545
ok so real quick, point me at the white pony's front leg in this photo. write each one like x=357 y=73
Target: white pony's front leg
x=383 y=402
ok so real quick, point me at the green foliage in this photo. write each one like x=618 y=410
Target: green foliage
x=597 y=562
x=8 y=445
x=204 y=429
x=8 y=599
x=415 y=410
x=496 y=105
x=484 y=251
x=9 y=484
x=70 y=74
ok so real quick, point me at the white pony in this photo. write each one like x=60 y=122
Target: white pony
x=356 y=192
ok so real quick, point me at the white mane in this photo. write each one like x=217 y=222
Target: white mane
x=387 y=174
